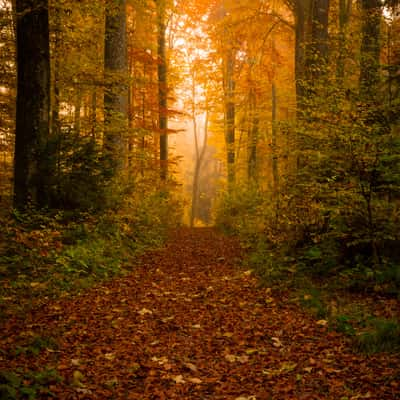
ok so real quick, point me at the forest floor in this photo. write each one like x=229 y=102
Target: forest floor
x=186 y=323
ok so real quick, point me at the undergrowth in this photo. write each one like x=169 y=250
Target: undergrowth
x=294 y=249
x=57 y=253
x=29 y=385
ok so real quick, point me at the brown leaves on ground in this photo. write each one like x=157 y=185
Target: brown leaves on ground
x=188 y=324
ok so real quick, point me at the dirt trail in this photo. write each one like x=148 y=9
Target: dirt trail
x=189 y=324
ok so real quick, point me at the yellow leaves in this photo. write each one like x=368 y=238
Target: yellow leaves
x=160 y=360
x=322 y=322
x=195 y=380
x=191 y=366
x=144 y=311
x=276 y=342
x=77 y=378
x=232 y=358
x=109 y=356
x=246 y=398
x=284 y=368
x=179 y=379
x=251 y=351
x=38 y=285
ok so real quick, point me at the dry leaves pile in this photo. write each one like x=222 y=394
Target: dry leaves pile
x=188 y=324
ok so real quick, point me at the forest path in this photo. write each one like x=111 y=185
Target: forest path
x=189 y=324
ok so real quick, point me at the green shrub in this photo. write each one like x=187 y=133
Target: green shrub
x=381 y=335
x=16 y=385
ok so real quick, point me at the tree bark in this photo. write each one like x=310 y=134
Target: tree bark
x=275 y=171
x=252 y=138
x=317 y=45
x=370 y=48
x=116 y=94
x=344 y=17
x=197 y=169
x=33 y=160
x=300 y=13
x=229 y=89
x=162 y=89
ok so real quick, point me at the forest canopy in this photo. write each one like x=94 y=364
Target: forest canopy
x=277 y=120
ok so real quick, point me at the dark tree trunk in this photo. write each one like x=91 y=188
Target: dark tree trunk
x=116 y=95
x=33 y=159
x=300 y=12
x=344 y=17
x=317 y=46
x=162 y=89
x=370 y=47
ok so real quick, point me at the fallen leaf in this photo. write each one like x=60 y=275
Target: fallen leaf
x=77 y=378
x=178 y=379
x=191 y=367
x=246 y=398
x=145 y=311
x=276 y=342
x=195 y=380
x=230 y=357
x=109 y=356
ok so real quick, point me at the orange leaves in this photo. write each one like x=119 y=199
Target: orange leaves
x=137 y=337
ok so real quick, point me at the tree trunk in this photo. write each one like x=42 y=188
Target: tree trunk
x=275 y=171
x=370 y=47
x=229 y=89
x=317 y=46
x=252 y=138
x=198 y=165
x=93 y=114
x=162 y=89
x=344 y=17
x=33 y=160
x=300 y=44
x=77 y=111
x=116 y=95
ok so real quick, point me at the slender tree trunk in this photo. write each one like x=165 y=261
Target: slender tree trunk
x=197 y=169
x=115 y=97
x=77 y=111
x=252 y=138
x=33 y=161
x=93 y=114
x=300 y=44
x=162 y=89
x=230 y=115
x=274 y=149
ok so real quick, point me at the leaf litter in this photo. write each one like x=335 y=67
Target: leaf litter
x=138 y=337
